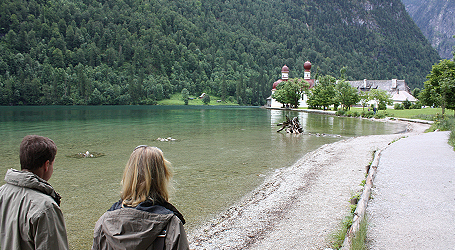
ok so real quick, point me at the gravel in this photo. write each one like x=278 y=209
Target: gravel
x=297 y=207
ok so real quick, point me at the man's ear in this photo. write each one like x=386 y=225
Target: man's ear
x=46 y=170
x=46 y=166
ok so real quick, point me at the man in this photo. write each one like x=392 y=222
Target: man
x=30 y=216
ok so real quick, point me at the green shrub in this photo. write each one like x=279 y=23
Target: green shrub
x=443 y=122
x=149 y=101
x=367 y=114
x=416 y=106
x=206 y=99
x=379 y=115
x=424 y=117
x=352 y=114
x=398 y=106
x=452 y=138
x=407 y=104
x=340 y=113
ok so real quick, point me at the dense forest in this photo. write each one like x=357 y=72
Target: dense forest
x=91 y=52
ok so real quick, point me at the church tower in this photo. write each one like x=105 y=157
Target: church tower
x=285 y=73
x=307 y=67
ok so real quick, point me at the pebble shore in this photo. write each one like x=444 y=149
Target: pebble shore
x=301 y=206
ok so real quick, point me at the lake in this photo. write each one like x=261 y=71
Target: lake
x=218 y=156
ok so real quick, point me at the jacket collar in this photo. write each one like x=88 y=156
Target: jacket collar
x=152 y=207
x=30 y=180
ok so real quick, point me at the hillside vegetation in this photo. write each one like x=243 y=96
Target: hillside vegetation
x=91 y=52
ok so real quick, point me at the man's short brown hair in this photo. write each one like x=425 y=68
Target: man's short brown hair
x=35 y=150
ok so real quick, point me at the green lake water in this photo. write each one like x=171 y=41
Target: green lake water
x=220 y=153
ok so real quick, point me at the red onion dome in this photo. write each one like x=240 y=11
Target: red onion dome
x=285 y=69
x=275 y=84
x=307 y=65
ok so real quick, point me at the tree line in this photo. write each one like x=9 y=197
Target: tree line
x=93 y=52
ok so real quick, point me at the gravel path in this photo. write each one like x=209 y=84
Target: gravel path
x=298 y=207
x=414 y=195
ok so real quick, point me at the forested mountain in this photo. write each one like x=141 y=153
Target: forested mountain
x=436 y=19
x=140 y=51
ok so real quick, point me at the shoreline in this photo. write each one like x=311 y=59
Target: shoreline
x=300 y=206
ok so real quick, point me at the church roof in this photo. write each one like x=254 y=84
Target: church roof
x=275 y=84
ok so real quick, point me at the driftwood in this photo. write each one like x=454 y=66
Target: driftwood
x=291 y=126
x=359 y=213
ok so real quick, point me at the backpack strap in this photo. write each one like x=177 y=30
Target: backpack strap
x=158 y=244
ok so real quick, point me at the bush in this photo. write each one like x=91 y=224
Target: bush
x=349 y=114
x=367 y=114
x=206 y=99
x=442 y=122
x=340 y=113
x=150 y=101
x=452 y=138
x=407 y=104
x=380 y=115
x=423 y=117
x=398 y=106
x=354 y=113
x=416 y=106
x=185 y=95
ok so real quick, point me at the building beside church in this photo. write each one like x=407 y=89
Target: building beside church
x=397 y=89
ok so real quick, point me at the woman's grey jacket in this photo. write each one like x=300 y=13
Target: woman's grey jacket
x=138 y=228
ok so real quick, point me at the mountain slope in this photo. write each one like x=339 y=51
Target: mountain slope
x=137 y=52
x=436 y=19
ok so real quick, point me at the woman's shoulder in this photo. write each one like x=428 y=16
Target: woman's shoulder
x=145 y=206
x=116 y=206
x=128 y=214
x=149 y=206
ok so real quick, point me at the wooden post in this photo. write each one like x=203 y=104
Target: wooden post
x=359 y=213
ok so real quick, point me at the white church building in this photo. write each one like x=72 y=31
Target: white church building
x=272 y=103
x=397 y=89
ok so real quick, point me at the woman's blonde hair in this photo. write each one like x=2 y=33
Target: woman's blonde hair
x=147 y=176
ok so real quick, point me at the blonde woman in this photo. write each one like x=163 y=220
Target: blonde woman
x=143 y=218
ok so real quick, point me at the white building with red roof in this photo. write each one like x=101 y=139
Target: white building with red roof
x=272 y=103
x=397 y=89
